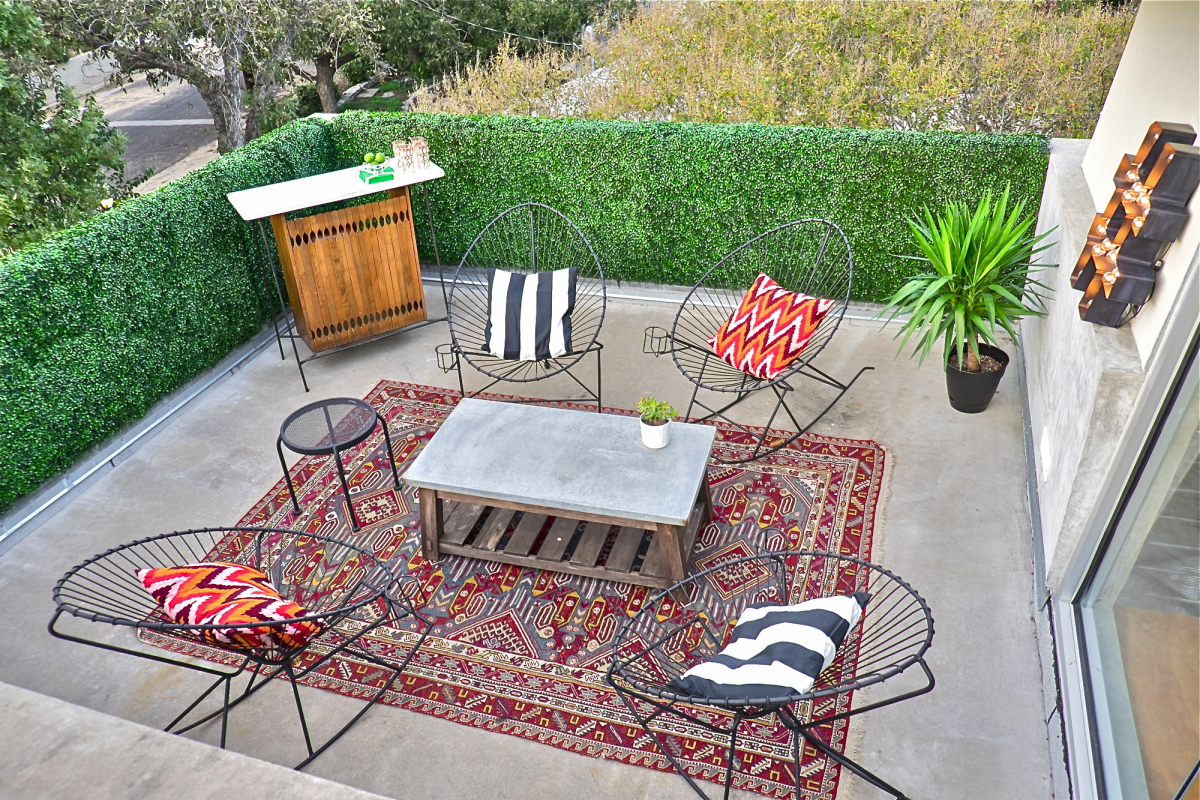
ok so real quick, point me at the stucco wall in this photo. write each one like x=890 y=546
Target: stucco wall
x=1158 y=80
x=1082 y=379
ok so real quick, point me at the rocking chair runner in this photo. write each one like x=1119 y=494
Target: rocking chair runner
x=307 y=568
x=893 y=635
x=808 y=255
x=529 y=238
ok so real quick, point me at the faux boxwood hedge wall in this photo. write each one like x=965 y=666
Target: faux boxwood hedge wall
x=101 y=321
x=661 y=202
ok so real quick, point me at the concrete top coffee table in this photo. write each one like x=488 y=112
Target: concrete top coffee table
x=549 y=488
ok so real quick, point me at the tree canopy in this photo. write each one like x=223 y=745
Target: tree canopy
x=58 y=159
x=238 y=54
x=428 y=39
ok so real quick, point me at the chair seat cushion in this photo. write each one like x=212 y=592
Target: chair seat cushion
x=217 y=592
x=529 y=316
x=769 y=329
x=775 y=651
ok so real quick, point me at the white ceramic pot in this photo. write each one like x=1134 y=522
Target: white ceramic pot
x=656 y=436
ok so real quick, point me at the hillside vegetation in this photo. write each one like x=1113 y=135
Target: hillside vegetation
x=977 y=66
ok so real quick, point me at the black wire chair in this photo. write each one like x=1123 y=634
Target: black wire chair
x=894 y=634
x=343 y=587
x=527 y=238
x=808 y=255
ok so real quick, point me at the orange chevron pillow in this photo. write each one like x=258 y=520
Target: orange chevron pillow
x=217 y=592
x=769 y=329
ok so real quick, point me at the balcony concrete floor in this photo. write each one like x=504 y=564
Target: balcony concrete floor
x=954 y=523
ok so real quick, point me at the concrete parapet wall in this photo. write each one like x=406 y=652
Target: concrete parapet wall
x=1083 y=378
x=52 y=749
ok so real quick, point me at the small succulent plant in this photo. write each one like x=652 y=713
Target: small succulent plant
x=656 y=412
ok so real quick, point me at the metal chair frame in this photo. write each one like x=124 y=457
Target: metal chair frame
x=793 y=264
x=545 y=249
x=105 y=589
x=893 y=636
x=334 y=449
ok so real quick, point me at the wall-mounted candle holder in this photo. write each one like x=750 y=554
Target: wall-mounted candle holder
x=1147 y=211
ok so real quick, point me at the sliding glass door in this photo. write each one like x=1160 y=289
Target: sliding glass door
x=1140 y=611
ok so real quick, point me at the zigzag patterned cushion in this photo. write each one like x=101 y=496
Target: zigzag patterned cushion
x=775 y=651
x=769 y=329
x=218 y=592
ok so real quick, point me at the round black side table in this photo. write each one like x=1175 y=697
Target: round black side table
x=326 y=428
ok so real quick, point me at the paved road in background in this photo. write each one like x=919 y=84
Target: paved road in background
x=173 y=134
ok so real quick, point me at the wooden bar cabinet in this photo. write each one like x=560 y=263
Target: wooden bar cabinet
x=352 y=275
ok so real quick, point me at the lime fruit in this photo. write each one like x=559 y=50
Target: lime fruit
x=380 y=158
x=369 y=158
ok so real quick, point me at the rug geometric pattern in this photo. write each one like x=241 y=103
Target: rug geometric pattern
x=522 y=651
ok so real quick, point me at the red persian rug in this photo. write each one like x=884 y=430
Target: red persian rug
x=522 y=651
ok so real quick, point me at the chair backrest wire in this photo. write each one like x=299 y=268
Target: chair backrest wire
x=330 y=578
x=527 y=238
x=811 y=256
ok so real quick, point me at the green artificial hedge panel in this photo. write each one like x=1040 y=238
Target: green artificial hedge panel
x=662 y=202
x=101 y=321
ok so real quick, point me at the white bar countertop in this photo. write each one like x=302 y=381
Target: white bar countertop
x=328 y=187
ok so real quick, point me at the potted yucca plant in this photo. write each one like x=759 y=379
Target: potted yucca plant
x=656 y=421
x=979 y=264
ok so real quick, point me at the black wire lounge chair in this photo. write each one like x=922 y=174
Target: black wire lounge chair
x=530 y=238
x=808 y=255
x=893 y=636
x=345 y=589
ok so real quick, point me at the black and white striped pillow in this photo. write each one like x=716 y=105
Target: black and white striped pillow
x=529 y=316
x=775 y=650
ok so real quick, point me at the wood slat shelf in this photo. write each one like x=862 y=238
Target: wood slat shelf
x=565 y=490
x=527 y=546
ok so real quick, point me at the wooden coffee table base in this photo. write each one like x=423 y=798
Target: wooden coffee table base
x=467 y=526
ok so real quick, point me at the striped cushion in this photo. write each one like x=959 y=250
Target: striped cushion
x=775 y=650
x=529 y=316
x=218 y=592
x=769 y=329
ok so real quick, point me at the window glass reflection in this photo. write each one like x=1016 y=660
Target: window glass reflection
x=1142 y=622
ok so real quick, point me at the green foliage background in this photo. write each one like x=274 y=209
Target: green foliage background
x=420 y=43
x=661 y=202
x=56 y=163
x=102 y=320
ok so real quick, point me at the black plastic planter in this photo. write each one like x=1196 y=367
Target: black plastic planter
x=970 y=392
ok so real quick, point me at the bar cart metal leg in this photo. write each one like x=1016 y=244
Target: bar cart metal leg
x=437 y=256
x=266 y=269
x=289 y=324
